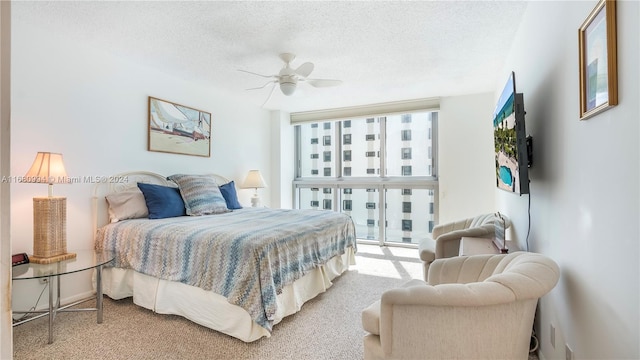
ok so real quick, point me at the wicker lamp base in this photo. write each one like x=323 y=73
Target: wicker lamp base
x=50 y=230
x=49 y=260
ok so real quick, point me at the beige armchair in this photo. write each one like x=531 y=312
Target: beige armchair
x=445 y=241
x=473 y=307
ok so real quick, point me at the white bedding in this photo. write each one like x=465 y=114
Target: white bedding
x=212 y=310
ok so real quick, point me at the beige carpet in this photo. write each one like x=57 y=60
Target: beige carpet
x=327 y=327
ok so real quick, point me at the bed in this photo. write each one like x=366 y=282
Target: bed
x=238 y=271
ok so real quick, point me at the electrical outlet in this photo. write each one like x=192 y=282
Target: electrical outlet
x=568 y=352
x=552 y=335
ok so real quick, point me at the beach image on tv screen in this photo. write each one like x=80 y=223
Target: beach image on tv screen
x=505 y=140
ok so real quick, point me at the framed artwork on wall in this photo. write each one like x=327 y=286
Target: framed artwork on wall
x=178 y=129
x=598 y=60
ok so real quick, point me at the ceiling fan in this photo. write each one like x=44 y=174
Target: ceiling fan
x=289 y=77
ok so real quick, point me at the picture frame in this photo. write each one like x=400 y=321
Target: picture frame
x=597 y=41
x=178 y=129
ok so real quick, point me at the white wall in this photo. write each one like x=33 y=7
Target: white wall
x=466 y=160
x=584 y=184
x=91 y=106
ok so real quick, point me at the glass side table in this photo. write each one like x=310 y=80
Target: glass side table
x=85 y=260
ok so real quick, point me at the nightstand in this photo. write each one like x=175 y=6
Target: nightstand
x=85 y=260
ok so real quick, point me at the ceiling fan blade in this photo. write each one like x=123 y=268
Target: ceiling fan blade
x=264 y=76
x=305 y=69
x=270 y=94
x=323 y=82
x=263 y=86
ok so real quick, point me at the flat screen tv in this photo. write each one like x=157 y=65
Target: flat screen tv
x=510 y=140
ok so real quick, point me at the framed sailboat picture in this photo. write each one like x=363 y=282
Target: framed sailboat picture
x=178 y=129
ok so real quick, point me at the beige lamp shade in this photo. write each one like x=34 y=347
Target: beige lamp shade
x=47 y=168
x=49 y=213
x=254 y=180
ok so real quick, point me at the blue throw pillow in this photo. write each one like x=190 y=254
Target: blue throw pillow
x=162 y=201
x=228 y=191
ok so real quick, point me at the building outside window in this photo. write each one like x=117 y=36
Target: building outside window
x=385 y=179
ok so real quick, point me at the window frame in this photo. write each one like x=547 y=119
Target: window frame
x=379 y=181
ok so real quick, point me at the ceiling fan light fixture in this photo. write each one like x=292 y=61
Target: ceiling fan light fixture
x=287 y=88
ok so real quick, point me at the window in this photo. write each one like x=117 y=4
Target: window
x=384 y=175
x=406 y=135
x=314 y=125
x=407 y=225
x=314 y=141
x=315 y=203
x=326 y=204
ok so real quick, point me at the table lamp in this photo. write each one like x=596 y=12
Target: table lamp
x=49 y=213
x=254 y=180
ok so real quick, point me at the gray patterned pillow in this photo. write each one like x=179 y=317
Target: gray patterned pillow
x=200 y=193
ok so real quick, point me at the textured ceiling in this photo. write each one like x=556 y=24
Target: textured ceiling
x=382 y=51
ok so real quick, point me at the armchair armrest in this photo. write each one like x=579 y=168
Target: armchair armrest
x=407 y=309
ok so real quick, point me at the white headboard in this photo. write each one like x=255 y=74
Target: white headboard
x=124 y=181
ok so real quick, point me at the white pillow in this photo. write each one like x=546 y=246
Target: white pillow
x=128 y=204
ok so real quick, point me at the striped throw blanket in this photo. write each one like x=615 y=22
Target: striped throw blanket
x=247 y=255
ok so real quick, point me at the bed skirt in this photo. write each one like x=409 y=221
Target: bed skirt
x=211 y=310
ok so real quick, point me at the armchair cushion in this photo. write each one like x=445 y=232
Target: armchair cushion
x=371 y=315
x=371 y=318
